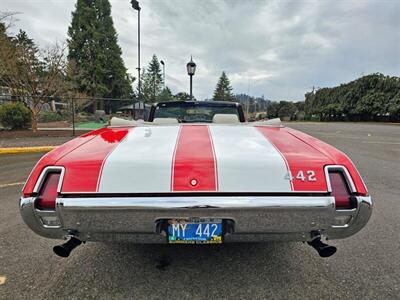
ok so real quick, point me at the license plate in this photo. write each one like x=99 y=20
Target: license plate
x=201 y=231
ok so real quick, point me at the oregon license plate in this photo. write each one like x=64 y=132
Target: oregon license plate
x=199 y=231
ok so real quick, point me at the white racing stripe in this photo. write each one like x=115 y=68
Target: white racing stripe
x=141 y=162
x=247 y=161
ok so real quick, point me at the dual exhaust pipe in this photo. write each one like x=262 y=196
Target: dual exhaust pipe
x=64 y=250
x=323 y=250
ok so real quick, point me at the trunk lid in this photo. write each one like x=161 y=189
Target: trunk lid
x=194 y=158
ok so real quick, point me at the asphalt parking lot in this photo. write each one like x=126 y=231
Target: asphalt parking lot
x=366 y=265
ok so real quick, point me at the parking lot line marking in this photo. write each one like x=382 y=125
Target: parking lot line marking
x=21 y=150
x=386 y=143
x=3 y=280
x=11 y=184
x=338 y=136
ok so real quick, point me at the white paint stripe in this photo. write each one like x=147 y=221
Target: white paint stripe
x=286 y=162
x=247 y=161
x=215 y=159
x=141 y=162
x=11 y=184
x=104 y=161
x=173 y=159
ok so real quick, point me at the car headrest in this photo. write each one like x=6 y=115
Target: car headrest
x=225 y=119
x=165 y=121
x=271 y=122
x=122 y=122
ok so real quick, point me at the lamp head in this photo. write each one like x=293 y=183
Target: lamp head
x=191 y=67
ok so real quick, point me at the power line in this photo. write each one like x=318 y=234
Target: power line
x=67 y=97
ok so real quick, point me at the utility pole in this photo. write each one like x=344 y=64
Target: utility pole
x=135 y=6
x=73 y=116
x=163 y=66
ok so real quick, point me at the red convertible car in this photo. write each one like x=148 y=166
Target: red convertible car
x=195 y=172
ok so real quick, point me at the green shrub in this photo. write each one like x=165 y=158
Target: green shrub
x=49 y=116
x=15 y=115
x=65 y=114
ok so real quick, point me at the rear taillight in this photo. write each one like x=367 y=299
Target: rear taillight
x=48 y=192
x=340 y=189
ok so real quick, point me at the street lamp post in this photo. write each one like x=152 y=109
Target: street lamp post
x=191 y=69
x=163 y=67
x=135 y=6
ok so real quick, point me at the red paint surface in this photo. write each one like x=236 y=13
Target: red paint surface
x=300 y=157
x=194 y=159
x=337 y=156
x=83 y=167
x=51 y=158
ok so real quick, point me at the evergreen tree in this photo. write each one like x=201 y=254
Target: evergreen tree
x=223 y=90
x=152 y=81
x=183 y=96
x=165 y=95
x=28 y=54
x=99 y=70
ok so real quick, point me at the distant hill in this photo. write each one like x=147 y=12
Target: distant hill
x=255 y=103
x=371 y=97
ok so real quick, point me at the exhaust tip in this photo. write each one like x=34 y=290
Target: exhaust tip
x=323 y=249
x=64 y=250
x=60 y=251
x=327 y=251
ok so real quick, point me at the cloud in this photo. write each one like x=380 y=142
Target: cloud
x=279 y=49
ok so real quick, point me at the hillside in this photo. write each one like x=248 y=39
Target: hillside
x=372 y=97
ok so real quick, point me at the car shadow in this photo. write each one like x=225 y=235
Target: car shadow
x=154 y=271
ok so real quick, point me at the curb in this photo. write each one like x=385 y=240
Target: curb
x=22 y=150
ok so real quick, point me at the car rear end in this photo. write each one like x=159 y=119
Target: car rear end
x=198 y=184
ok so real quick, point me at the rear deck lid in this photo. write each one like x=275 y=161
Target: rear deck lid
x=195 y=158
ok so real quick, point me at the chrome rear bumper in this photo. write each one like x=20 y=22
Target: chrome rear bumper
x=255 y=218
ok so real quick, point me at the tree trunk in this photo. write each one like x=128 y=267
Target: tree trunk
x=94 y=106
x=34 y=122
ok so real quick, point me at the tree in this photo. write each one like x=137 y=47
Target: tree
x=283 y=109
x=394 y=107
x=223 y=90
x=165 y=95
x=366 y=98
x=273 y=110
x=32 y=74
x=5 y=47
x=372 y=105
x=287 y=109
x=182 y=96
x=93 y=49
x=152 y=81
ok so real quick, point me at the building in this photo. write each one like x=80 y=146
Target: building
x=140 y=110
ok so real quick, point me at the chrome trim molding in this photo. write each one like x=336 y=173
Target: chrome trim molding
x=347 y=176
x=256 y=218
x=43 y=175
x=360 y=217
x=236 y=202
x=32 y=219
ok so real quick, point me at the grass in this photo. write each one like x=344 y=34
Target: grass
x=91 y=125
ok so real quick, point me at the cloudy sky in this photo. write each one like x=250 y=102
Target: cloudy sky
x=279 y=49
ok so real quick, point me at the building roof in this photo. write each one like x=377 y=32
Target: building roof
x=138 y=105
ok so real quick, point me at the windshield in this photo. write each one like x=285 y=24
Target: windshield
x=193 y=113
